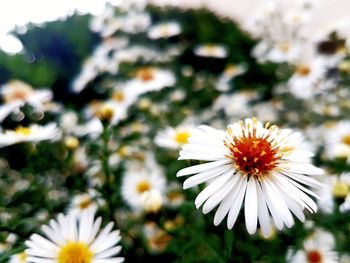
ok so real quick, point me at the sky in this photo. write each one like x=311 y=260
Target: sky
x=20 y=12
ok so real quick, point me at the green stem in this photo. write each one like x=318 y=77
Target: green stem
x=108 y=191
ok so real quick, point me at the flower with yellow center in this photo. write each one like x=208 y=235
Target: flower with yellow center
x=182 y=137
x=143 y=186
x=21 y=257
x=74 y=253
x=336 y=193
x=263 y=165
x=75 y=240
x=33 y=133
x=338 y=140
x=89 y=201
x=211 y=50
x=164 y=30
x=118 y=96
x=71 y=142
x=173 y=138
x=340 y=190
x=25 y=131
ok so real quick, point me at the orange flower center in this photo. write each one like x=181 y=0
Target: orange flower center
x=253 y=156
x=85 y=203
x=145 y=74
x=313 y=256
x=303 y=70
x=118 y=96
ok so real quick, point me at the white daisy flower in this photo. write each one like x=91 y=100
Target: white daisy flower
x=16 y=93
x=152 y=201
x=85 y=202
x=71 y=240
x=336 y=188
x=237 y=104
x=264 y=166
x=281 y=28
x=33 y=133
x=173 y=138
x=106 y=24
x=164 y=30
x=231 y=71
x=111 y=111
x=150 y=79
x=317 y=248
x=307 y=79
x=338 y=140
x=139 y=181
x=19 y=258
x=157 y=239
x=211 y=50
x=69 y=123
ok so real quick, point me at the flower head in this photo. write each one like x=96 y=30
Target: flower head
x=164 y=30
x=19 y=258
x=33 y=133
x=71 y=241
x=211 y=50
x=317 y=248
x=263 y=165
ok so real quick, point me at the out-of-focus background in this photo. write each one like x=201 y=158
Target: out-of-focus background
x=19 y=13
x=100 y=102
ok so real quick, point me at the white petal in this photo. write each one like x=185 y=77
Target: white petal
x=109 y=252
x=218 y=196
x=236 y=205
x=251 y=207
x=211 y=188
x=205 y=176
x=201 y=167
x=277 y=218
x=263 y=213
x=227 y=202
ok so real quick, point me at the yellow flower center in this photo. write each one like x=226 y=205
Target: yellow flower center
x=85 y=203
x=284 y=47
x=143 y=186
x=210 y=49
x=22 y=256
x=105 y=113
x=71 y=142
x=340 y=190
x=175 y=195
x=303 y=70
x=346 y=139
x=118 y=96
x=23 y=131
x=74 y=252
x=164 y=30
x=182 y=137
